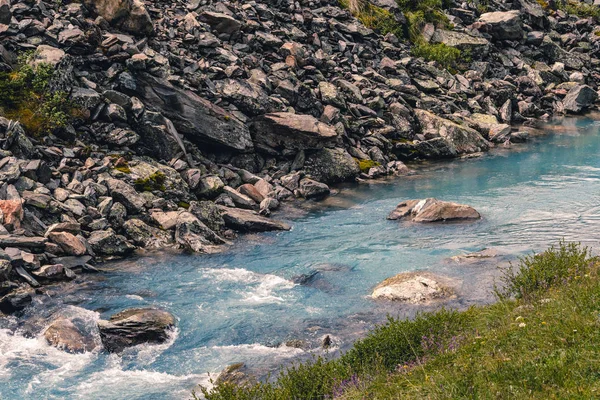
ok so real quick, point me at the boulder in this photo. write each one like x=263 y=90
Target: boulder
x=54 y=272
x=5 y=13
x=477 y=46
x=15 y=301
x=129 y=15
x=235 y=374
x=247 y=96
x=459 y=139
x=415 y=288
x=311 y=189
x=193 y=236
x=146 y=236
x=287 y=131
x=502 y=25
x=250 y=221
x=221 y=23
x=135 y=326
x=433 y=210
x=331 y=165
x=69 y=243
x=197 y=119
x=579 y=98
x=108 y=243
x=210 y=186
x=45 y=54
x=11 y=213
x=64 y=335
x=126 y=195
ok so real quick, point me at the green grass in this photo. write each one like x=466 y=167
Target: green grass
x=418 y=13
x=25 y=97
x=366 y=165
x=373 y=17
x=545 y=343
x=579 y=9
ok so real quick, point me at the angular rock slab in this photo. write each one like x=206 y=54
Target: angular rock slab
x=64 y=335
x=283 y=130
x=579 y=98
x=415 y=288
x=433 y=210
x=135 y=326
x=196 y=118
x=249 y=221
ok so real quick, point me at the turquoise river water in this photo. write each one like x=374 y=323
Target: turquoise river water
x=244 y=305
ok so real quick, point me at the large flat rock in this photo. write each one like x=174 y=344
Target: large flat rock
x=250 y=221
x=415 y=288
x=433 y=210
x=199 y=120
x=287 y=131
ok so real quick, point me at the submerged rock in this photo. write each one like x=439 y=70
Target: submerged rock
x=433 y=210
x=135 y=326
x=235 y=374
x=249 y=221
x=415 y=288
x=64 y=335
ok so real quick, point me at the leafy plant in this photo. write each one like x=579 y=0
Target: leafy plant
x=25 y=97
x=538 y=272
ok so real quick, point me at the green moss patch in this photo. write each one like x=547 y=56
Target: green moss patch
x=156 y=181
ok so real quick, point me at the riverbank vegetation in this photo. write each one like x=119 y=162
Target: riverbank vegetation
x=26 y=97
x=417 y=14
x=540 y=340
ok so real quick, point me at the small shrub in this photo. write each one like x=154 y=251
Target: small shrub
x=156 y=181
x=538 y=272
x=366 y=165
x=374 y=17
x=579 y=9
x=446 y=56
x=25 y=97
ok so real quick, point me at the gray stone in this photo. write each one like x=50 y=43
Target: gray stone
x=433 y=210
x=249 y=221
x=415 y=288
x=503 y=25
x=108 y=243
x=579 y=98
x=282 y=130
x=331 y=165
x=135 y=326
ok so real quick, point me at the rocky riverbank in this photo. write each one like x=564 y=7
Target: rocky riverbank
x=188 y=123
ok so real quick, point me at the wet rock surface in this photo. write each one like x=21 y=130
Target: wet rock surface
x=135 y=326
x=415 y=288
x=433 y=210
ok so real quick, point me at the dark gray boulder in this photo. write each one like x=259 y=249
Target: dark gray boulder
x=286 y=131
x=196 y=118
x=331 y=165
x=579 y=98
x=135 y=326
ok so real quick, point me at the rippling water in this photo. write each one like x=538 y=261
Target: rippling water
x=244 y=305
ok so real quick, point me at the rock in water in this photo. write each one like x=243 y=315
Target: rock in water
x=433 y=210
x=415 y=288
x=63 y=334
x=135 y=326
x=249 y=221
x=235 y=374
x=579 y=98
